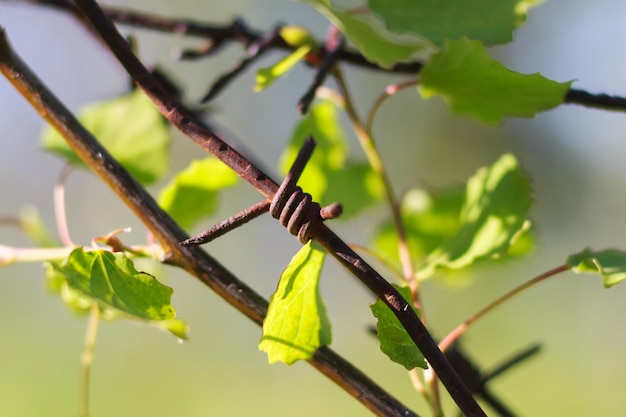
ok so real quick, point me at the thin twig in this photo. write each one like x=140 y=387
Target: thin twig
x=192 y=259
x=460 y=329
x=59 y=206
x=87 y=357
x=334 y=43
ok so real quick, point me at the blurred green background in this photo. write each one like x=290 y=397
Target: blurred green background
x=575 y=157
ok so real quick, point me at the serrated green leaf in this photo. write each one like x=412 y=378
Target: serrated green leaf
x=494 y=214
x=489 y=21
x=369 y=35
x=473 y=84
x=111 y=281
x=328 y=176
x=609 y=263
x=130 y=128
x=296 y=324
x=394 y=340
x=193 y=194
x=429 y=220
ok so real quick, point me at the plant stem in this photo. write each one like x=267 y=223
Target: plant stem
x=366 y=139
x=87 y=357
x=447 y=341
x=59 y=206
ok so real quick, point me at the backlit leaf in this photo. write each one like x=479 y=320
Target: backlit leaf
x=610 y=264
x=489 y=21
x=472 y=83
x=494 y=214
x=394 y=340
x=328 y=176
x=111 y=281
x=296 y=324
x=193 y=193
x=369 y=35
x=130 y=128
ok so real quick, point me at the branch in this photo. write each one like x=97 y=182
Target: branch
x=185 y=121
x=220 y=35
x=192 y=259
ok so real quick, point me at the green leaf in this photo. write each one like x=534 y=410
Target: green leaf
x=193 y=193
x=111 y=281
x=369 y=35
x=609 y=263
x=494 y=214
x=472 y=83
x=130 y=128
x=429 y=220
x=328 y=176
x=296 y=324
x=297 y=37
x=394 y=340
x=489 y=21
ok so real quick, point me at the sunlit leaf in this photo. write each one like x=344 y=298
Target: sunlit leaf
x=394 y=340
x=130 y=128
x=610 y=264
x=193 y=194
x=296 y=324
x=472 y=83
x=111 y=281
x=494 y=214
x=369 y=35
x=328 y=175
x=489 y=21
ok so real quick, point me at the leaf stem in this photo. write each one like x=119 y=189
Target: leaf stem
x=87 y=358
x=390 y=90
x=366 y=139
x=447 y=341
x=373 y=156
x=59 y=206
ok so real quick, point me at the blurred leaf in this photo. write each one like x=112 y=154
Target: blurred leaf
x=130 y=128
x=489 y=21
x=265 y=77
x=193 y=194
x=328 y=177
x=369 y=35
x=296 y=324
x=111 y=281
x=609 y=263
x=297 y=37
x=429 y=219
x=472 y=83
x=394 y=340
x=35 y=228
x=493 y=216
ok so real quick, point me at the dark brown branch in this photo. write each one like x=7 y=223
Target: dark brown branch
x=334 y=45
x=255 y=51
x=598 y=101
x=193 y=259
x=184 y=121
x=219 y=35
